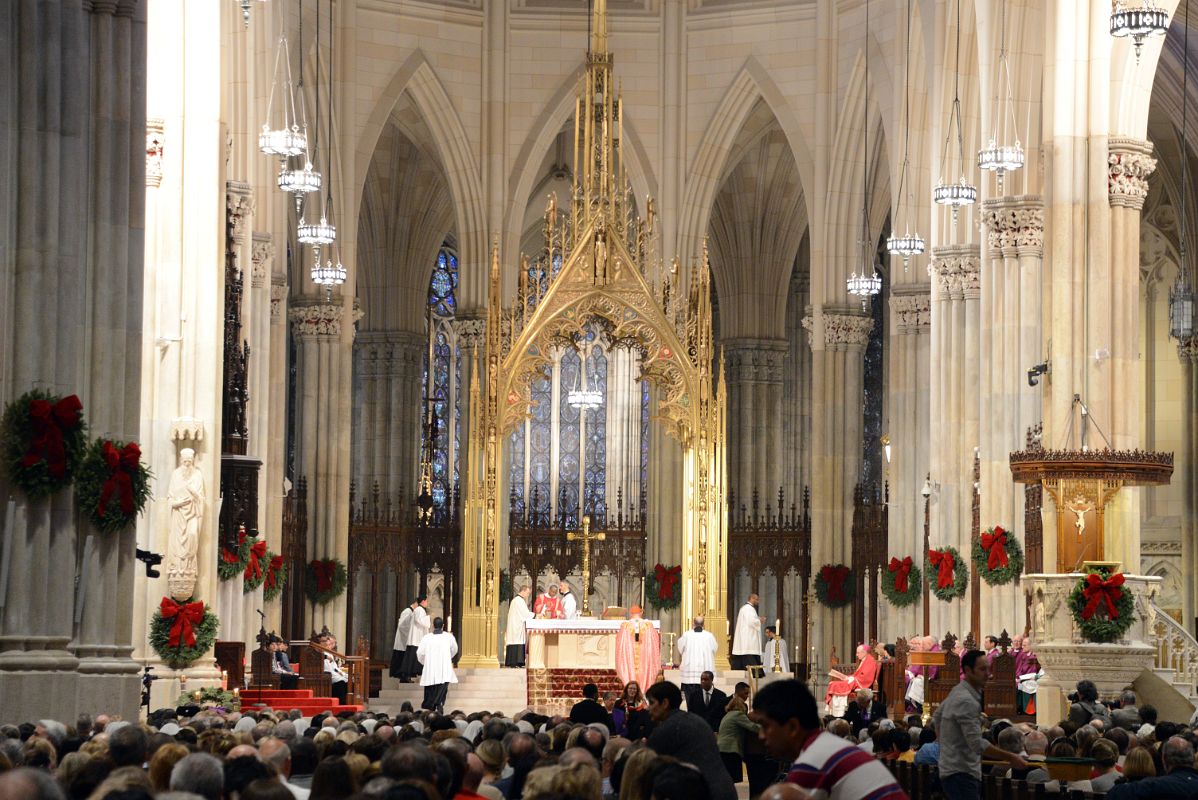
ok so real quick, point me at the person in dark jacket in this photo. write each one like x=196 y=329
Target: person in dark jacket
x=688 y=738
x=1087 y=706
x=589 y=709
x=1180 y=778
x=864 y=710
x=708 y=702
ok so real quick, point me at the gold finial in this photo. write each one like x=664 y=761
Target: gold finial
x=599 y=28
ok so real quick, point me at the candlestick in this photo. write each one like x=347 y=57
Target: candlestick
x=778 y=627
x=449 y=623
x=197 y=695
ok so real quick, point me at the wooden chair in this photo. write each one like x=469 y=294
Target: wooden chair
x=261 y=672
x=312 y=672
x=230 y=658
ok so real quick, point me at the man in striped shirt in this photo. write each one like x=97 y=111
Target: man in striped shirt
x=826 y=766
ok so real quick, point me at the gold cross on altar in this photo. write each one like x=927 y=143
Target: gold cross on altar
x=586 y=537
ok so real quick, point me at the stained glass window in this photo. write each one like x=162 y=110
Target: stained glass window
x=569 y=433
x=595 y=475
x=443 y=285
x=442 y=379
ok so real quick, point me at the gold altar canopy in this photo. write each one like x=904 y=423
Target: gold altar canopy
x=611 y=277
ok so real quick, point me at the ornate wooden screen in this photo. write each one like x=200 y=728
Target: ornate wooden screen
x=1033 y=522
x=386 y=535
x=780 y=542
x=295 y=557
x=538 y=543
x=870 y=527
x=975 y=584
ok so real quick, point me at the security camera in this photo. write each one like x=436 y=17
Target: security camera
x=1034 y=373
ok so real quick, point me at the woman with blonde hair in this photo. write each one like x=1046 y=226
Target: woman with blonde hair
x=161 y=764
x=1137 y=765
x=636 y=783
x=579 y=781
x=730 y=740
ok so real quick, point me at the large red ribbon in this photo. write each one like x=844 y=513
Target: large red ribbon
x=252 y=568
x=272 y=571
x=122 y=465
x=324 y=571
x=835 y=577
x=901 y=570
x=944 y=563
x=995 y=545
x=667 y=578
x=49 y=422
x=1099 y=592
x=185 y=617
x=233 y=556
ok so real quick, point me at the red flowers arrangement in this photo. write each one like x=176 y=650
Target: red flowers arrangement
x=42 y=439
x=113 y=485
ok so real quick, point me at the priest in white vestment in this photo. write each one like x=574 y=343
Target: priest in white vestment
x=400 y=646
x=746 y=639
x=419 y=627
x=569 y=602
x=696 y=655
x=775 y=651
x=436 y=652
x=517 y=614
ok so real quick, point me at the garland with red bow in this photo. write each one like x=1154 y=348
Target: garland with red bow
x=945 y=572
x=901 y=582
x=276 y=577
x=835 y=585
x=232 y=563
x=42 y=440
x=1102 y=608
x=998 y=556
x=255 y=567
x=181 y=633
x=325 y=580
x=113 y=484
x=663 y=587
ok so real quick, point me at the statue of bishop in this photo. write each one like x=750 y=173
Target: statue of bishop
x=186 y=497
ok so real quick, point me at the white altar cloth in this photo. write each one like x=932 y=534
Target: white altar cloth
x=584 y=643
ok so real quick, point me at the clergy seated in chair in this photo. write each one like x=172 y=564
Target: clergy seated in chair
x=842 y=685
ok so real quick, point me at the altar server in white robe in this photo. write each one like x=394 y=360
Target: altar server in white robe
x=400 y=646
x=419 y=627
x=746 y=640
x=436 y=652
x=775 y=648
x=517 y=614
x=569 y=601
x=696 y=655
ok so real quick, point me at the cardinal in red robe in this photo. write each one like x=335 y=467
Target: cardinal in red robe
x=638 y=650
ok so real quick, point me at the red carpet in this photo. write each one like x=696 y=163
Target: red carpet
x=287 y=699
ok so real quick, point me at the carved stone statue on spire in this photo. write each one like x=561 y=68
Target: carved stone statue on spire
x=186 y=497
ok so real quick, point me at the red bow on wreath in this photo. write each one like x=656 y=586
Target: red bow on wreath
x=1099 y=592
x=272 y=571
x=123 y=465
x=944 y=563
x=257 y=551
x=185 y=616
x=667 y=578
x=901 y=570
x=324 y=571
x=835 y=578
x=995 y=544
x=231 y=556
x=49 y=422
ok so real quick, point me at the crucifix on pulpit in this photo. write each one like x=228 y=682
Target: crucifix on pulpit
x=586 y=536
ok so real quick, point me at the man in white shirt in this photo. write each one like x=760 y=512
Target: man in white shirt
x=517 y=614
x=400 y=645
x=775 y=650
x=436 y=652
x=419 y=626
x=746 y=640
x=696 y=655
x=569 y=601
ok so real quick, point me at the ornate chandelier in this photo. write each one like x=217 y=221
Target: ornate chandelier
x=864 y=286
x=328 y=272
x=1181 y=296
x=909 y=244
x=316 y=233
x=961 y=193
x=584 y=399
x=331 y=273
x=1138 y=22
x=290 y=137
x=868 y=283
x=995 y=157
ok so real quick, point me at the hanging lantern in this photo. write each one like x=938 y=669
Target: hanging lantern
x=316 y=233
x=1181 y=309
x=905 y=246
x=864 y=286
x=330 y=272
x=1138 y=23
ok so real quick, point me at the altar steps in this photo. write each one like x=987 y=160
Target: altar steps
x=287 y=699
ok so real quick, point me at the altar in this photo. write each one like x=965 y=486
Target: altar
x=566 y=654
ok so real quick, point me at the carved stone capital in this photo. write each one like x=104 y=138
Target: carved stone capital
x=384 y=354
x=841 y=331
x=317 y=319
x=1129 y=163
x=1187 y=349
x=755 y=360
x=262 y=255
x=278 y=300
x=472 y=331
x=239 y=205
x=912 y=313
x=1014 y=226
x=155 y=141
x=956 y=272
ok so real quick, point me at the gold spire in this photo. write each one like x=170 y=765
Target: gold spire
x=599 y=28
x=600 y=181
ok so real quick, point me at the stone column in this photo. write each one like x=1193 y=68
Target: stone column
x=838 y=342
x=909 y=352
x=275 y=466
x=1011 y=344
x=754 y=377
x=1188 y=352
x=956 y=288
x=324 y=363
x=390 y=412
x=796 y=394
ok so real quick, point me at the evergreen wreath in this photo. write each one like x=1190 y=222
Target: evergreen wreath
x=960 y=575
x=889 y=580
x=181 y=633
x=276 y=577
x=113 y=484
x=835 y=585
x=998 y=556
x=210 y=697
x=663 y=587
x=1102 y=609
x=42 y=439
x=232 y=563
x=325 y=580
x=257 y=562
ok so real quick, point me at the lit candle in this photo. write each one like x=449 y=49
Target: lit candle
x=778 y=627
x=449 y=623
x=197 y=695
x=236 y=692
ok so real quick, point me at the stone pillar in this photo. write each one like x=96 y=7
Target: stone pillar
x=754 y=377
x=324 y=363
x=838 y=342
x=275 y=467
x=390 y=409
x=956 y=288
x=908 y=351
x=796 y=394
x=1011 y=344
x=1188 y=352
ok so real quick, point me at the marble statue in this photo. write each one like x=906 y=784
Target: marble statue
x=186 y=498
